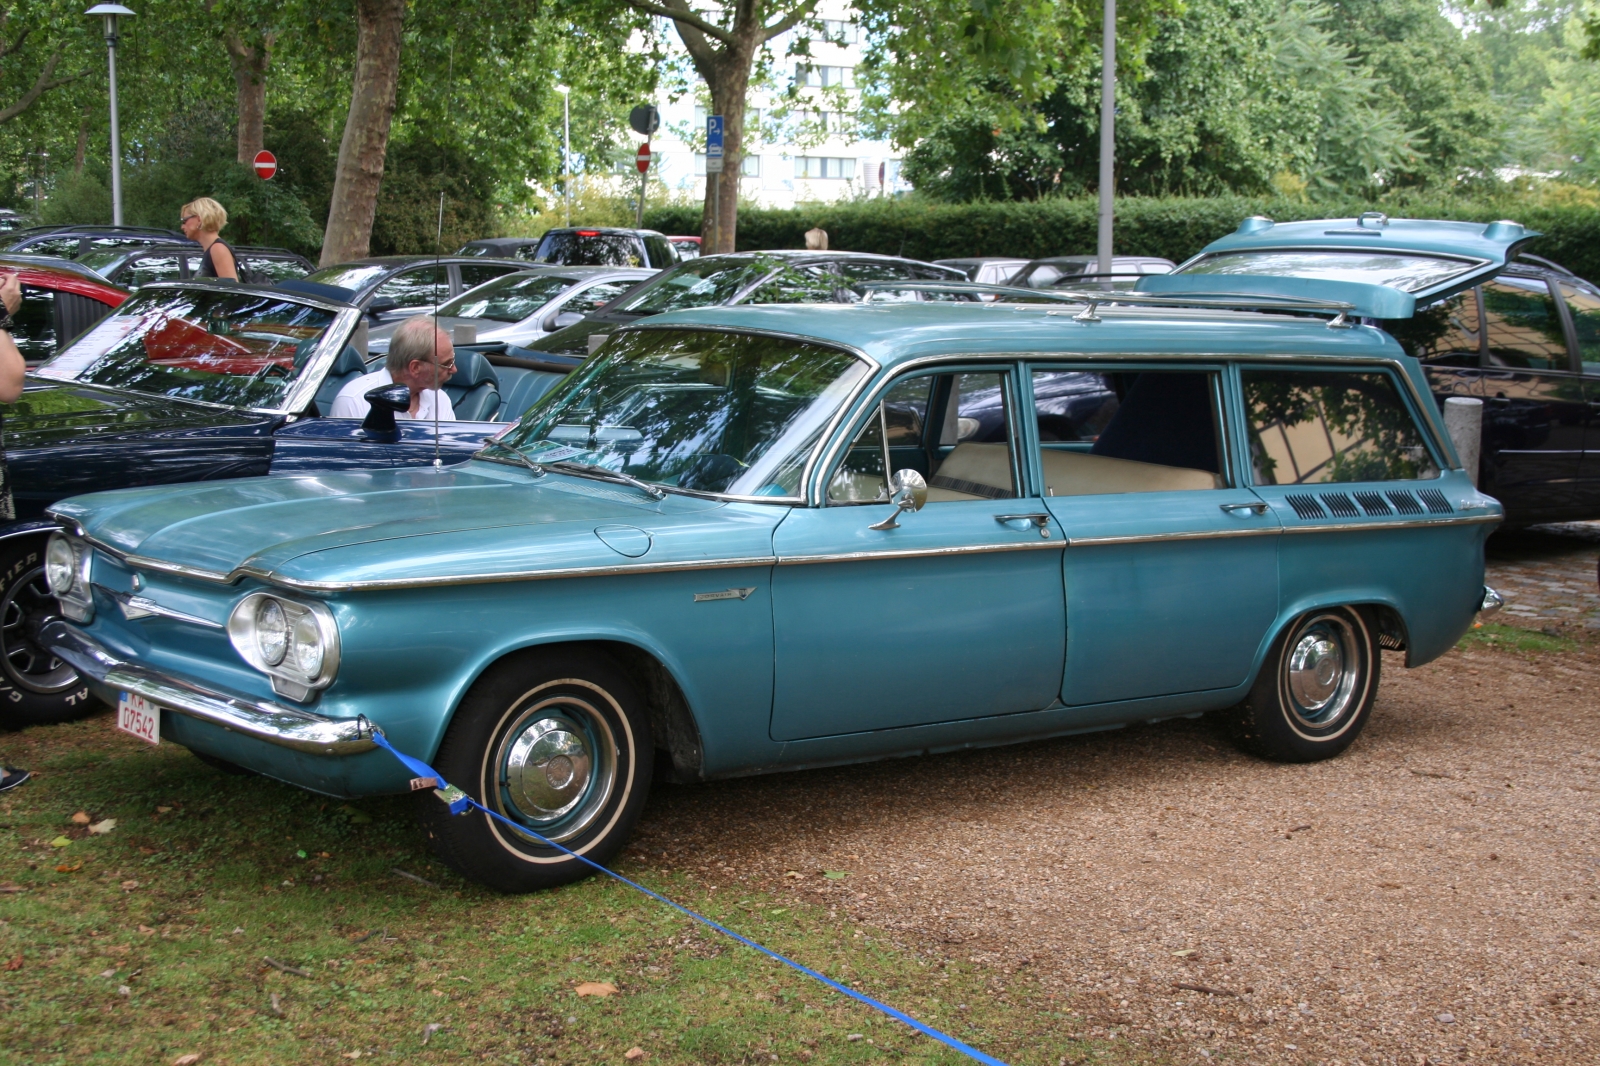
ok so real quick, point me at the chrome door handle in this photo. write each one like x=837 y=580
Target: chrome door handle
x=1040 y=520
x=1258 y=508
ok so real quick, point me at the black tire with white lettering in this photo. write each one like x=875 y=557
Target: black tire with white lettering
x=556 y=739
x=36 y=688
x=1315 y=691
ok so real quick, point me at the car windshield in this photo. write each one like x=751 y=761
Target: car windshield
x=589 y=248
x=352 y=276
x=510 y=298
x=702 y=410
x=705 y=282
x=219 y=347
x=1409 y=273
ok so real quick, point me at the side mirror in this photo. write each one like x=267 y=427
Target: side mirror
x=385 y=401
x=563 y=320
x=381 y=305
x=909 y=494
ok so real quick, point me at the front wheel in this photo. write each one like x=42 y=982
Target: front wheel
x=558 y=741
x=1315 y=691
x=36 y=688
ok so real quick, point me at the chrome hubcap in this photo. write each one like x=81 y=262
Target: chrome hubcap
x=1322 y=670
x=557 y=767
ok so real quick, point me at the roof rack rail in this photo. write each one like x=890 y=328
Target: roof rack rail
x=1095 y=297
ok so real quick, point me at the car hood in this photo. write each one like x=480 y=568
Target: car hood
x=49 y=414
x=466 y=522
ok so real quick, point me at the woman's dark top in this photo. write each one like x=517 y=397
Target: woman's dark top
x=208 y=267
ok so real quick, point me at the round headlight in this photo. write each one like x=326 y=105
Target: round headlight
x=60 y=566
x=307 y=646
x=272 y=632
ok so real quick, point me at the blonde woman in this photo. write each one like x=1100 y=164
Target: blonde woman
x=202 y=220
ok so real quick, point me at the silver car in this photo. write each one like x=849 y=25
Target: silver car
x=523 y=307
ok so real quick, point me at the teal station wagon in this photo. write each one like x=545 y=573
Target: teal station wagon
x=739 y=540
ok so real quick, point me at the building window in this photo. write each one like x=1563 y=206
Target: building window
x=818 y=166
x=828 y=121
x=818 y=77
x=749 y=166
x=841 y=32
x=752 y=117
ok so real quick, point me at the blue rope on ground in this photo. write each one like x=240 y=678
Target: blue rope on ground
x=462 y=803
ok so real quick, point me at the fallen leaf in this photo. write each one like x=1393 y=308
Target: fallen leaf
x=163 y=810
x=356 y=1054
x=124 y=990
x=793 y=873
x=835 y=875
x=14 y=964
x=428 y=1031
x=187 y=1060
x=65 y=869
x=146 y=930
x=1184 y=954
x=108 y=973
x=853 y=1036
x=275 y=1003
x=81 y=818
x=7 y=888
x=597 y=988
x=102 y=827
x=60 y=842
x=633 y=1054
x=129 y=886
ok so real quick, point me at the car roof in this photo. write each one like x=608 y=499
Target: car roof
x=898 y=332
x=602 y=229
x=43 y=271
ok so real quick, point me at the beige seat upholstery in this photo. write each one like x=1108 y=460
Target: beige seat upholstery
x=1069 y=473
x=983 y=468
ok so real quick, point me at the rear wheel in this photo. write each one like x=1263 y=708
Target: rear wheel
x=1315 y=691
x=36 y=688
x=557 y=741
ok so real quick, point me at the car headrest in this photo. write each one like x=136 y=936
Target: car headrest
x=472 y=369
x=349 y=362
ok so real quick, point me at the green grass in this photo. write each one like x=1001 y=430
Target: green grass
x=1514 y=638
x=147 y=943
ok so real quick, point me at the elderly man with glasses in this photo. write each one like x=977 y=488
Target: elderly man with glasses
x=422 y=357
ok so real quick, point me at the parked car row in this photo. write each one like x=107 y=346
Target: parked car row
x=792 y=509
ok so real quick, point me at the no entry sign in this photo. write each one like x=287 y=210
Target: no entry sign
x=642 y=160
x=266 y=164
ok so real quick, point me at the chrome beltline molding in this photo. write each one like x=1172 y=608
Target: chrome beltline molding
x=1378 y=526
x=917 y=553
x=286 y=727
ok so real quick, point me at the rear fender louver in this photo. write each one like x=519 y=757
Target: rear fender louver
x=1435 y=502
x=1373 y=503
x=1305 y=506
x=1340 y=505
x=1404 y=502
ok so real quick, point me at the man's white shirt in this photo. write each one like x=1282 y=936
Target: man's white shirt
x=352 y=400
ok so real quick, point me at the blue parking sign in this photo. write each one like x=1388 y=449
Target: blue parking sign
x=713 y=144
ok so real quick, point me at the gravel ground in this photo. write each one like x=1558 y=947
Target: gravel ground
x=1428 y=897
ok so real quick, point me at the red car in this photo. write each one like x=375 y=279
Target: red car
x=60 y=300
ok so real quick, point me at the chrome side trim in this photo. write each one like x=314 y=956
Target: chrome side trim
x=285 y=727
x=1377 y=526
x=917 y=553
x=1151 y=538
x=144 y=607
x=1381 y=525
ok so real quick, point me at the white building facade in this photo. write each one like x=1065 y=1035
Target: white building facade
x=799 y=148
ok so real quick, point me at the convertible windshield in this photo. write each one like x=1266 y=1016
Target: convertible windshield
x=707 y=411
x=510 y=298
x=220 y=347
x=707 y=282
x=1408 y=273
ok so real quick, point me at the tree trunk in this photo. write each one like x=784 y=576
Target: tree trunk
x=365 y=144
x=83 y=146
x=727 y=100
x=250 y=64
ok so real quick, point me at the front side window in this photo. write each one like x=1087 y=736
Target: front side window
x=1315 y=427
x=1409 y=273
x=954 y=428
x=1107 y=431
x=419 y=287
x=597 y=296
x=694 y=409
x=507 y=299
x=1524 y=326
x=219 y=347
x=1584 y=303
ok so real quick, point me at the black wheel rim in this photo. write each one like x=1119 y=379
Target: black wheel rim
x=26 y=606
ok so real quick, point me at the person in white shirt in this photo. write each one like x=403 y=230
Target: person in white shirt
x=420 y=356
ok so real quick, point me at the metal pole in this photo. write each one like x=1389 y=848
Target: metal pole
x=1108 y=143
x=116 y=140
x=644 y=180
x=716 y=213
x=566 y=151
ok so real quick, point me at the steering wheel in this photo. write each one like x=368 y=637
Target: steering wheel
x=273 y=370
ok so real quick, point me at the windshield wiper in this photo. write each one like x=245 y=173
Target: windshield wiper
x=495 y=442
x=602 y=474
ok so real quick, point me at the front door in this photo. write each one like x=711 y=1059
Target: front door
x=955 y=614
x=1171 y=568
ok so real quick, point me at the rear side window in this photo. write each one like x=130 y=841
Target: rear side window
x=422 y=287
x=33 y=327
x=590 y=248
x=1315 y=427
x=1445 y=333
x=1524 y=326
x=65 y=247
x=660 y=250
x=592 y=298
x=269 y=270
x=148 y=268
x=1585 y=307
x=475 y=274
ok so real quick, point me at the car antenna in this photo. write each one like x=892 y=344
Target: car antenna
x=438 y=254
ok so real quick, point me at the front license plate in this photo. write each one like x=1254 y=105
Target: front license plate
x=139 y=716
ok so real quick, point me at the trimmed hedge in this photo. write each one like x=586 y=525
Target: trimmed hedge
x=1172 y=227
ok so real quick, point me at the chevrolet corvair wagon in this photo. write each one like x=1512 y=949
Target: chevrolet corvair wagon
x=741 y=540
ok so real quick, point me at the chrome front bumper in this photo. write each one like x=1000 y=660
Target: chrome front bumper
x=1492 y=602
x=271 y=722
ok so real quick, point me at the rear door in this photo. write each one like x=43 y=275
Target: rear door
x=1583 y=314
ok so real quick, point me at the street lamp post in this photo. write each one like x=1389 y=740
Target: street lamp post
x=1108 y=142
x=112 y=12
x=566 y=147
